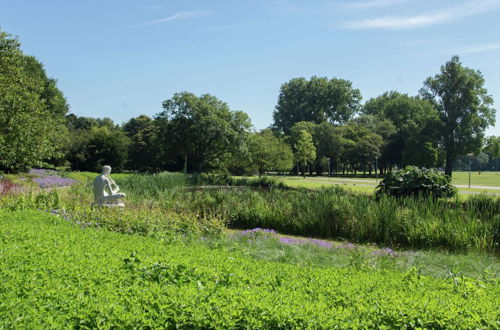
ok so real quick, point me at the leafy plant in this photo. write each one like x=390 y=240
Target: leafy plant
x=416 y=182
x=56 y=275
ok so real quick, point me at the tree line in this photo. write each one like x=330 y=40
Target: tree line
x=319 y=125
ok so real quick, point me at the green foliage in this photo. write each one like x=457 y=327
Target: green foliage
x=269 y=153
x=200 y=133
x=410 y=115
x=143 y=150
x=362 y=145
x=420 y=152
x=305 y=151
x=102 y=143
x=316 y=100
x=416 y=182
x=218 y=179
x=55 y=275
x=464 y=107
x=32 y=110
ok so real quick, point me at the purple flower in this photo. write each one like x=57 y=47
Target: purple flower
x=300 y=241
x=53 y=180
x=384 y=252
x=347 y=246
x=258 y=232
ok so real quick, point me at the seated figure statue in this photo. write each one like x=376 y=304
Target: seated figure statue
x=106 y=191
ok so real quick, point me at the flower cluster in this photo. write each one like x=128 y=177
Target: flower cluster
x=49 y=179
x=250 y=232
x=266 y=233
x=300 y=241
x=387 y=252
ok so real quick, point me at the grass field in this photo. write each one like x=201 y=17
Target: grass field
x=485 y=179
x=57 y=275
x=477 y=179
x=491 y=179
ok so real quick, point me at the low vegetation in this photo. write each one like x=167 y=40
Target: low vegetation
x=416 y=182
x=55 y=274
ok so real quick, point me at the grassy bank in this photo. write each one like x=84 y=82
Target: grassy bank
x=55 y=275
x=157 y=203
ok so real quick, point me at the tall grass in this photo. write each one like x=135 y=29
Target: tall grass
x=473 y=225
x=334 y=213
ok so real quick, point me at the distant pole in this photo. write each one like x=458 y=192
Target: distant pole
x=329 y=168
x=469 y=171
x=376 y=168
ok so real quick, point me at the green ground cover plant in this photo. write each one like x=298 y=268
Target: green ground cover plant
x=55 y=274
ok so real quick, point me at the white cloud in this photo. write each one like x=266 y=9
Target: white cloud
x=445 y=15
x=478 y=49
x=176 y=16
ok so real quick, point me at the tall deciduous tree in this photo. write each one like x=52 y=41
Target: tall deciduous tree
x=200 y=132
x=410 y=115
x=464 y=106
x=143 y=149
x=316 y=100
x=32 y=110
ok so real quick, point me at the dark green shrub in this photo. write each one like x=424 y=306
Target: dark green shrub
x=224 y=179
x=416 y=182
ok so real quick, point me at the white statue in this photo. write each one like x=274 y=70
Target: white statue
x=106 y=191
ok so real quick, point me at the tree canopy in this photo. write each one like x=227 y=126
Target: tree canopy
x=316 y=100
x=464 y=107
x=200 y=131
x=32 y=109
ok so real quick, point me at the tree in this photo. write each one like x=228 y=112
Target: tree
x=492 y=149
x=306 y=152
x=409 y=115
x=362 y=146
x=316 y=100
x=103 y=143
x=143 y=148
x=329 y=145
x=32 y=109
x=464 y=108
x=419 y=152
x=200 y=132
x=269 y=153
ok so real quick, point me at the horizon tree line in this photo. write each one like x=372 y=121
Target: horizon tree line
x=319 y=125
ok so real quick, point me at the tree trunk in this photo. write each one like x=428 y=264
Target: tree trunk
x=448 y=169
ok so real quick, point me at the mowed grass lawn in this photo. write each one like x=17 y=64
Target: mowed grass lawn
x=491 y=179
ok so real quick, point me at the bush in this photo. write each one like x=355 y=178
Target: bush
x=416 y=182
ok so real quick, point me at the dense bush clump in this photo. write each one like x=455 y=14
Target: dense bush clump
x=414 y=181
x=224 y=179
x=56 y=275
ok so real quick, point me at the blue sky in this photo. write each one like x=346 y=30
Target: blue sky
x=122 y=58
